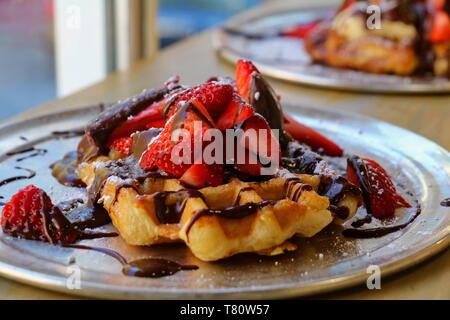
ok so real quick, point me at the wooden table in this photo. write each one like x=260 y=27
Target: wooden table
x=194 y=60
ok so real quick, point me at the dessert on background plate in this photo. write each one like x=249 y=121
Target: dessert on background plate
x=377 y=46
x=217 y=166
x=412 y=37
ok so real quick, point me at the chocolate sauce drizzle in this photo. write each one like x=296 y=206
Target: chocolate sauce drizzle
x=251 y=35
x=182 y=113
x=86 y=217
x=299 y=159
x=380 y=231
x=445 y=202
x=168 y=213
x=99 y=129
x=362 y=174
x=360 y=222
x=68 y=133
x=243 y=190
x=147 y=267
x=335 y=188
x=295 y=193
x=36 y=152
x=64 y=171
x=234 y=212
x=31 y=174
x=341 y=212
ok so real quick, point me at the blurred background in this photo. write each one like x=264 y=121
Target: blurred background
x=51 y=48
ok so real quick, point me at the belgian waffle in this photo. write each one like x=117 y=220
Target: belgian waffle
x=214 y=222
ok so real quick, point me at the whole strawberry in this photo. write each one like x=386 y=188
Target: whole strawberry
x=379 y=193
x=30 y=214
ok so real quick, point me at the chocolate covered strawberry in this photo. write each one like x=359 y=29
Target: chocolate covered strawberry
x=214 y=96
x=237 y=111
x=30 y=214
x=380 y=196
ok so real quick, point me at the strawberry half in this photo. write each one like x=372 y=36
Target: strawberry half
x=259 y=146
x=30 y=214
x=161 y=151
x=310 y=137
x=440 y=27
x=379 y=193
x=203 y=175
x=236 y=112
x=214 y=96
x=244 y=71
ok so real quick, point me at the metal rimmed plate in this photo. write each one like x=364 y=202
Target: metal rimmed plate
x=286 y=59
x=325 y=262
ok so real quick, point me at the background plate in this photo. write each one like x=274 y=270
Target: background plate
x=286 y=59
x=327 y=261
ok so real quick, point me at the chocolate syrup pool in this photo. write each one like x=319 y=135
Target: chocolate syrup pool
x=146 y=267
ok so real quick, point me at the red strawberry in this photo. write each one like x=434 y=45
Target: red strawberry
x=251 y=165
x=244 y=70
x=202 y=175
x=122 y=145
x=440 y=28
x=381 y=196
x=156 y=124
x=30 y=215
x=159 y=152
x=237 y=111
x=347 y=4
x=252 y=148
x=139 y=122
x=214 y=96
x=301 y=31
x=310 y=137
x=159 y=155
x=260 y=125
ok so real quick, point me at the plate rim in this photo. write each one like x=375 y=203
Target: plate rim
x=96 y=289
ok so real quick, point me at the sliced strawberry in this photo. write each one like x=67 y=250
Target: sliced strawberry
x=268 y=147
x=310 y=137
x=301 y=31
x=440 y=28
x=214 y=96
x=139 y=122
x=159 y=155
x=202 y=175
x=122 y=145
x=244 y=70
x=236 y=112
x=160 y=152
x=257 y=148
x=156 y=124
x=380 y=196
x=251 y=165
